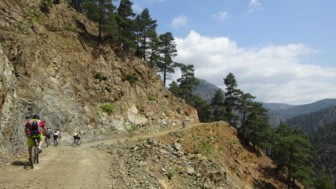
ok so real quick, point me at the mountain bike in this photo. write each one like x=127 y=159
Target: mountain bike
x=56 y=142
x=47 y=140
x=34 y=157
x=76 y=142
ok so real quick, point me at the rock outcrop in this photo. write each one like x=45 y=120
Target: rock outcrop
x=51 y=65
x=206 y=156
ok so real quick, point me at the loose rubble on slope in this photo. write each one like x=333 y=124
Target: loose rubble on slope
x=176 y=161
x=150 y=164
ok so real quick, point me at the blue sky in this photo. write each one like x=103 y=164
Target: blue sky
x=279 y=51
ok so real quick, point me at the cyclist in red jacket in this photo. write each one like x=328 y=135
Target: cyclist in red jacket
x=34 y=128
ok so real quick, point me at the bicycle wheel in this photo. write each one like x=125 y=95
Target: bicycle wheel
x=36 y=151
x=31 y=160
x=36 y=155
x=33 y=157
x=46 y=141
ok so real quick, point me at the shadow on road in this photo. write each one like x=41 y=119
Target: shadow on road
x=19 y=163
x=24 y=164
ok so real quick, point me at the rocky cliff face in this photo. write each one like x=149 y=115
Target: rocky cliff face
x=51 y=65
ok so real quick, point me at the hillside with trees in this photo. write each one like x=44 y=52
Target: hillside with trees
x=321 y=129
x=324 y=142
x=311 y=122
x=289 y=148
x=100 y=76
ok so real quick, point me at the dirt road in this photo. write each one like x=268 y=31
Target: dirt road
x=65 y=166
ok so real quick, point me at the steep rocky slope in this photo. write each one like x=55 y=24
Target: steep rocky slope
x=51 y=65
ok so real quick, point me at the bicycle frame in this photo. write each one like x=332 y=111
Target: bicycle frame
x=34 y=156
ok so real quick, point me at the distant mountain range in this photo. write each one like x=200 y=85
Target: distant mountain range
x=283 y=112
x=277 y=111
x=277 y=106
x=290 y=111
x=206 y=90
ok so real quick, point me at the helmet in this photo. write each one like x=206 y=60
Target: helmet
x=36 y=116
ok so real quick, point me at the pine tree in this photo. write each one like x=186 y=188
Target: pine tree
x=256 y=127
x=202 y=107
x=183 y=89
x=154 y=53
x=323 y=181
x=126 y=37
x=292 y=153
x=231 y=99
x=77 y=4
x=217 y=104
x=167 y=49
x=145 y=32
x=188 y=81
x=244 y=105
x=102 y=12
x=175 y=89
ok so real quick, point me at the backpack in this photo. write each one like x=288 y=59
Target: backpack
x=34 y=127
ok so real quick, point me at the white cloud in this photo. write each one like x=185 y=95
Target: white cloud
x=221 y=15
x=137 y=8
x=179 y=21
x=255 y=3
x=254 y=6
x=271 y=73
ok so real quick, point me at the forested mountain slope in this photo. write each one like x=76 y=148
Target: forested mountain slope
x=321 y=129
x=311 y=122
x=324 y=141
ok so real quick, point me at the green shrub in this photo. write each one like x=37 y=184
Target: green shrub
x=170 y=173
x=108 y=107
x=149 y=97
x=46 y=5
x=100 y=76
x=178 y=110
x=204 y=147
x=141 y=139
x=34 y=14
x=131 y=130
x=131 y=77
x=69 y=28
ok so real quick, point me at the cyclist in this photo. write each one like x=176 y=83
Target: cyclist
x=183 y=124
x=48 y=135
x=34 y=128
x=57 y=134
x=77 y=137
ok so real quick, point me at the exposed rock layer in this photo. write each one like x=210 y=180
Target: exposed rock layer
x=48 y=66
